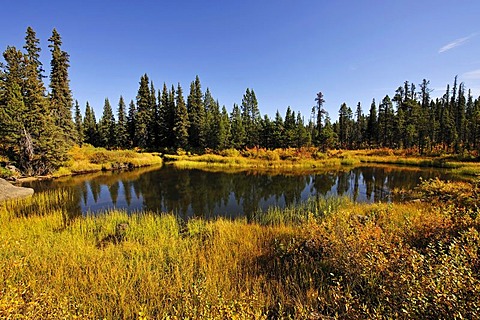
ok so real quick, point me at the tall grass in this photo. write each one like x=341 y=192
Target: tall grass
x=90 y=159
x=328 y=258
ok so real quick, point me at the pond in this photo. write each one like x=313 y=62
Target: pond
x=197 y=193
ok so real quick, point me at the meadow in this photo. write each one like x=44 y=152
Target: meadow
x=328 y=258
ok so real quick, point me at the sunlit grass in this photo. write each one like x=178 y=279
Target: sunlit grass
x=90 y=159
x=326 y=258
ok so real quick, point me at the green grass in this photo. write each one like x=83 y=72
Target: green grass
x=328 y=258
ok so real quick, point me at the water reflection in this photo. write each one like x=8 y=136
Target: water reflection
x=190 y=193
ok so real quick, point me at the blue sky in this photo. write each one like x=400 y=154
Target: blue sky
x=285 y=50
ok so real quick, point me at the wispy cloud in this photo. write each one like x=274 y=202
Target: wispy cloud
x=472 y=75
x=456 y=43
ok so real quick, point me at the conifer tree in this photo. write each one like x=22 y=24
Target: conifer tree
x=90 y=126
x=107 y=126
x=237 y=128
x=224 y=130
x=319 y=112
x=78 y=124
x=121 y=127
x=196 y=114
x=13 y=107
x=180 y=124
x=39 y=124
x=278 y=131
x=131 y=124
x=386 y=121
x=372 y=125
x=61 y=101
x=143 y=116
x=251 y=118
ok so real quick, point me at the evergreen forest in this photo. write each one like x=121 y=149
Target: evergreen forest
x=38 y=125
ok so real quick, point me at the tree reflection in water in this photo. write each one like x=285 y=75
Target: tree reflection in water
x=198 y=193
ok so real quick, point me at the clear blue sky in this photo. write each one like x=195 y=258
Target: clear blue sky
x=285 y=50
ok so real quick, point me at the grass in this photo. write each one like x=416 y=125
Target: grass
x=90 y=159
x=328 y=258
x=312 y=158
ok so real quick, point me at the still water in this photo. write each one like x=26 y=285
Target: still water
x=190 y=193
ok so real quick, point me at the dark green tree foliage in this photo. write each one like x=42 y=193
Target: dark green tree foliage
x=166 y=112
x=237 y=128
x=345 y=126
x=251 y=118
x=90 y=131
x=78 y=124
x=372 y=125
x=319 y=113
x=302 y=136
x=144 y=113
x=197 y=116
x=278 y=133
x=107 y=127
x=28 y=135
x=213 y=122
x=122 y=137
x=386 y=122
x=224 y=130
x=289 y=125
x=13 y=107
x=61 y=101
x=131 y=124
x=180 y=121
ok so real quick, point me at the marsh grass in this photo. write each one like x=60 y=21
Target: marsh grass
x=90 y=159
x=328 y=258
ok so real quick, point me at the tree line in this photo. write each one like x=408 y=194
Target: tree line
x=37 y=127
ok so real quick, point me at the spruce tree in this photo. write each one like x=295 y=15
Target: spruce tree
x=237 y=128
x=224 y=133
x=39 y=124
x=144 y=113
x=251 y=118
x=107 y=126
x=196 y=114
x=90 y=126
x=180 y=122
x=372 y=125
x=61 y=101
x=78 y=124
x=13 y=108
x=131 y=124
x=121 y=127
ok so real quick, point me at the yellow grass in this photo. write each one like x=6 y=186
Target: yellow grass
x=327 y=259
x=90 y=159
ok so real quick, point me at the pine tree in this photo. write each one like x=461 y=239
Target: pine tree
x=121 y=127
x=61 y=101
x=278 y=131
x=196 y=114
x=107 y=126
x=180 y=126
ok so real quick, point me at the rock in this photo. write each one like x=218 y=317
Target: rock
x=9 y=191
